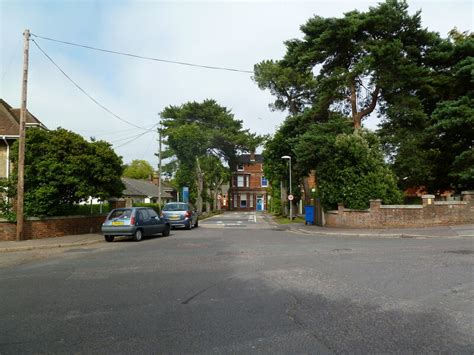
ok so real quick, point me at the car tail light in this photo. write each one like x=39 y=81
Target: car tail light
x=187 y=214
x=132 y=220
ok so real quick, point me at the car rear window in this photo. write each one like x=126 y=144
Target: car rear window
x=120 y=214
x=175 y=207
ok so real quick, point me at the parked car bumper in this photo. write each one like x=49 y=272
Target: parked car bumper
x=122 y=230
x=179 y=223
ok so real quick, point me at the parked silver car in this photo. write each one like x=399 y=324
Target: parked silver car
x=180 y=214
x=137 y=222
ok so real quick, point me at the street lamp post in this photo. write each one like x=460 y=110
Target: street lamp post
x=289 y=169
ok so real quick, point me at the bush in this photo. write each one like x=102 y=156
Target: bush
x=155 y=206
x=358 y=173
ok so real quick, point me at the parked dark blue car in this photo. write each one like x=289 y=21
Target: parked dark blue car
x=137 y=222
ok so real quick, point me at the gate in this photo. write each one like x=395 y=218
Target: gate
x=318 y=212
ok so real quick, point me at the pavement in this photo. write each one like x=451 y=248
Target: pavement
x=50 y=243
x=456 y=231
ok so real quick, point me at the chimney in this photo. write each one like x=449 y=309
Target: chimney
x=252 y=155
x=156 y=179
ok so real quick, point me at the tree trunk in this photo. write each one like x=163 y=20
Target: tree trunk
x=200 y=186
x=208 y=204
x=357 y=116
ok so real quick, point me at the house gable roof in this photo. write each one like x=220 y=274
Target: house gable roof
x=10 y=120
x=137 y=187
x=245 y=159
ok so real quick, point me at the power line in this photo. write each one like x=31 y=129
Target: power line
x=84 y=92
x=143 y=57
x=132 y=140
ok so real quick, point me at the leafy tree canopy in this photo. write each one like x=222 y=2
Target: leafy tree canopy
x=62 y=168
x=138 y=169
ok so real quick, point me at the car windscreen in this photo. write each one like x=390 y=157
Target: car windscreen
x=175 y=207
x=121 y=214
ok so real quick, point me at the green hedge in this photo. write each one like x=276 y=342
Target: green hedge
x=155 y=206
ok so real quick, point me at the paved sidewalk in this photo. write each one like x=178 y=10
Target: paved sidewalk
x=456 y=231
x=49 y=243
x=429 y=232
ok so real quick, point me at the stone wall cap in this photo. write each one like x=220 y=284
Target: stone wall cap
x=471 y=192
x=428 y=196
x=406 y=207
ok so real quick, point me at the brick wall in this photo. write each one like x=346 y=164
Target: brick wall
x=38 y=228
x=430 y=213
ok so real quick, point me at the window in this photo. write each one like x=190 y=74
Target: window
x=240 y=181
x=264 y=181
x=251 y=200
x=243 y=201
x=240 y=167
x=235 y=200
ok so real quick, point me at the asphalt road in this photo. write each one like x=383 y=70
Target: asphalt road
x=246 y=289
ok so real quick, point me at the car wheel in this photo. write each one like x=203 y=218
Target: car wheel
x=109 y=238
x=188 y=225
x=196 y=224
x=167 y=231
x=138 y=235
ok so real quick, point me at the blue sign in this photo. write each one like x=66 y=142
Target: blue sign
x=185 y=194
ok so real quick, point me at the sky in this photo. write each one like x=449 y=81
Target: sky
x=229 y=34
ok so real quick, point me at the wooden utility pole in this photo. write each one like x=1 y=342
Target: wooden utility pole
x=159 y=164
x=21 y=140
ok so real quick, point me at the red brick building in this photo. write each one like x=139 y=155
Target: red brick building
x=249 y=185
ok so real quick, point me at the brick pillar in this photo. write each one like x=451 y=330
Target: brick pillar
x=375 y=204
x=427 y=200
x=468 y=196
x=340 y=207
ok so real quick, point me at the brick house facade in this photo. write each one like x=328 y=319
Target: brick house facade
x=248 y=191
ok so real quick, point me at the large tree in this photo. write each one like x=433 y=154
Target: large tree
x=138 y=169
x=348 y=64
x=196 y=130
x=62 y=168
x=429 y=137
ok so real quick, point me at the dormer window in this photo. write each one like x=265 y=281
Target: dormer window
x=240 y=167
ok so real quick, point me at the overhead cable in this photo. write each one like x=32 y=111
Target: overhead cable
x=85 y=93
x=143 y=57
x=132 y=140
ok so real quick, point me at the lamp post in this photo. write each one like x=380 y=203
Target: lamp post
x=289 y=169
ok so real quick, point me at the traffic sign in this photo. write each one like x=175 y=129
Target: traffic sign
x=291 y=197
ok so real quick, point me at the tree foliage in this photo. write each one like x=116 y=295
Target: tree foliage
x=379 y=61
x=199 y=135
x=138 y=169
x=62 y=168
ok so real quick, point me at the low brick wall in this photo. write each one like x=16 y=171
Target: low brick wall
x=38 y=228
x=430 y=213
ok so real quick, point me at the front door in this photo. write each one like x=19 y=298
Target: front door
x=260 y=205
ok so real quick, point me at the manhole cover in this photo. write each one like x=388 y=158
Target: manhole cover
x=463 y=252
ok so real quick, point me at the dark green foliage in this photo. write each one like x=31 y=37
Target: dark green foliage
x=358 y=173
x=62 y=169
x=429 y=137
x=349 y=166
x=155 y=206
x=199 y=135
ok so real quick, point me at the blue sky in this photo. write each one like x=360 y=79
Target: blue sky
x=224 y=33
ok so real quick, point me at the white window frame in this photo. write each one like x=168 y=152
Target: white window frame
x=240 y=167
x=240 y=181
